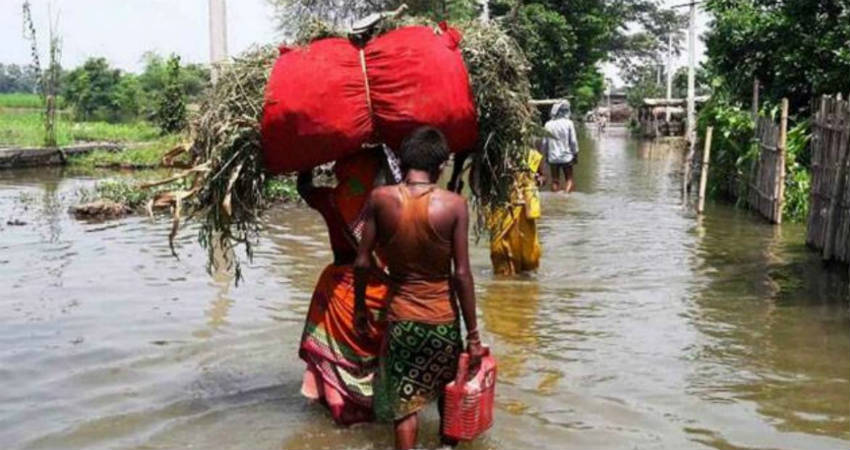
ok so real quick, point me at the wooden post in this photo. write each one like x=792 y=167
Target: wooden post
x=703 y=176
x=783 y=141
x=838 y=189
x=755 y=99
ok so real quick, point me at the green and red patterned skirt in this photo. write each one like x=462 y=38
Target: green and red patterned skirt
x=417 y=361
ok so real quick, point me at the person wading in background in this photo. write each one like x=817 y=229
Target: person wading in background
x=421 y=231
x=561 y=146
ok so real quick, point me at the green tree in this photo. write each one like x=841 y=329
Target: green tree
x=171 y=108
x=194 y=79
x=90 y=89
x=702 y=82
x=796 y=48
x=643 y=83
x=97 y=91
x=550 y=45
x=566 y=41
x=127 y=97
x=16 y=78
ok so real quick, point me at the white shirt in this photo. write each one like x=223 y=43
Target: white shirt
x=562 y=146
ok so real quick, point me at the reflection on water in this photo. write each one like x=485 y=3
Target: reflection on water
x=509 y=309
x=645 y=327
x=772 y=344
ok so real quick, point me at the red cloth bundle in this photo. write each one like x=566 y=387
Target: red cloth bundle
x=325 y=100
x=468 y=407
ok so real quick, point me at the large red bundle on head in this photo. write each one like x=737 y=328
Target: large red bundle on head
x=324 y=101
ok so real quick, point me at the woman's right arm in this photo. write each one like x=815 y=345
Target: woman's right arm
x=464 y=285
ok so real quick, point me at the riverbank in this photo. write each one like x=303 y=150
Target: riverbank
x=19 y=157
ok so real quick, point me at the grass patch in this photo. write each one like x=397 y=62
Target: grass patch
x=113 y=132
x=26 y=129
x=119 y=191
x=24 y=100
x=148 y=155
x=125 y=189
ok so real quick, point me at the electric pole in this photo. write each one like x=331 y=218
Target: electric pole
x=485 y=11
x=218 y=36
x=692 y=126
x=669 y=73
x=692 y=59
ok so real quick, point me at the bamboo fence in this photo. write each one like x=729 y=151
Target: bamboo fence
x=829 y=215
x=767 y=180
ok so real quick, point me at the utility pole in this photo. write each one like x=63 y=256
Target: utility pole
x=485 y=10
x=669 y=73
x=218 y=36
x=692 y=126
x=659 y=66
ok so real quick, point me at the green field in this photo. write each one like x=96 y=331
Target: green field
x=23 y=100
x=26 y=129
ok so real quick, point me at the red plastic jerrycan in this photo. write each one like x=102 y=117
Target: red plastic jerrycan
x=468 y=408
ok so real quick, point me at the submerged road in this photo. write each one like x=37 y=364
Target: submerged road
x=645 y=328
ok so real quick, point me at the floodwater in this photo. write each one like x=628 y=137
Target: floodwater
x=645 y=328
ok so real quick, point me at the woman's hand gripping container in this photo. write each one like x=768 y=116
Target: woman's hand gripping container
x=468 y=408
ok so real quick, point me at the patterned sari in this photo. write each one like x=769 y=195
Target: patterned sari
x=340 y=365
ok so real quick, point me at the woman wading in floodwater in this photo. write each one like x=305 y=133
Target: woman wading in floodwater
x=421 y=231
x=341 y=363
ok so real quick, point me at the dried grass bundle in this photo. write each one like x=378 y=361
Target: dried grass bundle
x=232 y=195
x=227 y=185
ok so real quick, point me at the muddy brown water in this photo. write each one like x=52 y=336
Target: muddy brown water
x=645 y=328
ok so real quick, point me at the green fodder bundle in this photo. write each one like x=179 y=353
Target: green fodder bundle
x=227 y=191
x=231 y=196
x=227 y=185
x=507 y=122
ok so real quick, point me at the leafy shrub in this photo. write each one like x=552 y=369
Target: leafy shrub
x=798 y=178
x=733 y=152
x=171 y=108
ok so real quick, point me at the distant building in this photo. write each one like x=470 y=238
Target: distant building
x=652 y=116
